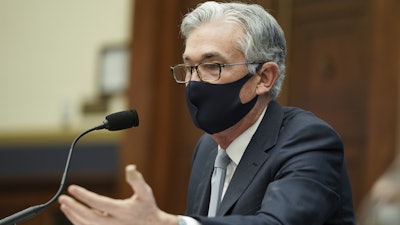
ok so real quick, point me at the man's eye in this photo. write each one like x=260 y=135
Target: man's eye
x=212 y=66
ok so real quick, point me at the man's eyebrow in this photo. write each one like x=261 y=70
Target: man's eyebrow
x=185 y=58
x=205 y=56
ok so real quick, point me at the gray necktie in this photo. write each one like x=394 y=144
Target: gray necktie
x=217 y=181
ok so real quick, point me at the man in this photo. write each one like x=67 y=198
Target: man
x=284 y=165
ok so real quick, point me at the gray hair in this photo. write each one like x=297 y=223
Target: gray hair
x=263 y=38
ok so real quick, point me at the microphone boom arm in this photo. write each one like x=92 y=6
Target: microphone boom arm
x=116 y=121
x=34 y=210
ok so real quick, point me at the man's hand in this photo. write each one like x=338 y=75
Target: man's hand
x=86 y=207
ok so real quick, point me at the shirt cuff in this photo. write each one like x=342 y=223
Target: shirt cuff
x=186 y=220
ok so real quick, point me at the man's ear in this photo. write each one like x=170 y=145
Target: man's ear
x=268 y=74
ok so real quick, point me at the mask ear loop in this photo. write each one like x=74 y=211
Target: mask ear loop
x=259 y=66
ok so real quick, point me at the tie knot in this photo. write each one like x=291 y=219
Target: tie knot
x=222 y=159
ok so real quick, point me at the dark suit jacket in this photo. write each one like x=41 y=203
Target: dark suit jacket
x=292 y=172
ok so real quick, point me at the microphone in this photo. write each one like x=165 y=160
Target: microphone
x=113 y=122
x=120 y=120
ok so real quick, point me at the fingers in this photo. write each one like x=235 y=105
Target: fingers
x=93 y=200
x=135 y=179
x=78 y=213
x=86 y=207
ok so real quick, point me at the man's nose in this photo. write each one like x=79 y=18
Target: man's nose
x=195 y=75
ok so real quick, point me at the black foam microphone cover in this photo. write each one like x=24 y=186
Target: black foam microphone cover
x=122 y=120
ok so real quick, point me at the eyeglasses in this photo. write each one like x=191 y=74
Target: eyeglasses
x=207 y=72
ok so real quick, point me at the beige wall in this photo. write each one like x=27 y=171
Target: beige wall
x=49 y=61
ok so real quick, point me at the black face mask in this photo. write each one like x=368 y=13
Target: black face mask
x=216 y=107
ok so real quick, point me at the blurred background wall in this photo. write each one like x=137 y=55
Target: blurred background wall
x=343 y=64
x=55 y=57
x=50 y=54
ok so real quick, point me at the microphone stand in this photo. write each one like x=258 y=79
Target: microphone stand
x=32 y=211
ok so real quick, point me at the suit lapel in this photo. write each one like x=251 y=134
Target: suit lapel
x=254 y=156
x=204 y=188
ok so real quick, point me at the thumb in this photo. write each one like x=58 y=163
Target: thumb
x=139 y=186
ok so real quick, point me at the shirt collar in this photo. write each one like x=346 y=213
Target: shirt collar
x=236 y=149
